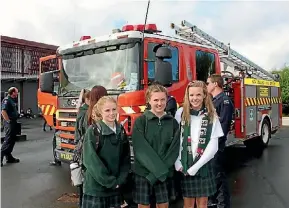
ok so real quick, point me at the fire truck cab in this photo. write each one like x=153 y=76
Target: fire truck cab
x=127 y=61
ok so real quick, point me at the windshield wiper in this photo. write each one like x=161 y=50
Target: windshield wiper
x=116 y=90
x=71 y=91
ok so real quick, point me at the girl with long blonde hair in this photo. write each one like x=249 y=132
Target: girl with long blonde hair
x=106 y=157
x=200 y=130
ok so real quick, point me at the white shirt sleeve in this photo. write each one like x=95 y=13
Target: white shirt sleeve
x=211 y=148
x=217 y=130
x=178 y=115
x=178 y=163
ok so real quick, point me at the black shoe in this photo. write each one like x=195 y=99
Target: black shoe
x=44 y=129
x=1 y=165
x=13 y=160
x=55 y=163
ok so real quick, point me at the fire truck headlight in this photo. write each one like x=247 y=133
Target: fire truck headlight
x=63 y=123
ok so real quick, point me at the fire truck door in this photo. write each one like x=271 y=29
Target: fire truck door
x=275 y=100
x=47 y=102
x=250 y=110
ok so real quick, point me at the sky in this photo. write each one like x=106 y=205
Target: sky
x=258 y=30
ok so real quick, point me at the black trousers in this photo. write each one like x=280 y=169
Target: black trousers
x=222 y=197
x=44 y=125
x=80 y=194
x=10 y=139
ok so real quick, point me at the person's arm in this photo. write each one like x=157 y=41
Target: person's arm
x=5 y=115
x=210 y=150
x=173 y=150
x=93 y=163
x=77 y=133
x=146 y=155
x=226 y=110
x=4 y=110
x=125 y=162
x=178 y=163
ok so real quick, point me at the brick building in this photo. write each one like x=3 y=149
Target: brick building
x=20 y=68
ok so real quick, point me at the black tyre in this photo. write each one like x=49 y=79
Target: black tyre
x=265 y=133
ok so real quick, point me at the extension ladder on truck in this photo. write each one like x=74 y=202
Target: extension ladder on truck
x=227 y=55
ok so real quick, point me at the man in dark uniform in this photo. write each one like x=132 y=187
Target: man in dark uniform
x=172 y=106
x=225 y=109
x=10 y=115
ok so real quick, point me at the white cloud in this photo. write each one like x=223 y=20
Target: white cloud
x=259 y=30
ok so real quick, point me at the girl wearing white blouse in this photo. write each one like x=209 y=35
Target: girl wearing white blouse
x=200 y=130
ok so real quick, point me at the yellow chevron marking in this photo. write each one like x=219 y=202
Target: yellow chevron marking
x=142 y=108
x=128 y=110
x=52 y=111
x=46 y=109
x=247 y=102
x=250 y=101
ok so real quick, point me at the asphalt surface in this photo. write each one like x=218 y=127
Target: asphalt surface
x=257 y=179
x=33 y=183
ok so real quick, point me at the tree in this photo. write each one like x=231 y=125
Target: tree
x=284 y=83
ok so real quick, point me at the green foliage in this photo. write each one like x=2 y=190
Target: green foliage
x=284 y=83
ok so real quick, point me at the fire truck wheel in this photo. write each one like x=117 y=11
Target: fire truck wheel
x=265 y=133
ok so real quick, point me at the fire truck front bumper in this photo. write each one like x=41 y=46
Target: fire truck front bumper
x=63 y=156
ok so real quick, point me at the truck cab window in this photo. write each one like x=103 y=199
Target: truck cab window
x=205 y=65
x=174 y=62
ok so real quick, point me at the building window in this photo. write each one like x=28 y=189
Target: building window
x=205 y=65
x=174 y=62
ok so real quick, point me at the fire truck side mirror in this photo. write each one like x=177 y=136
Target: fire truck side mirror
x=163 y=52
x=163 y=69
x=46 y=82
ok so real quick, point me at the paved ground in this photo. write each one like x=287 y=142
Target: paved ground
x=33 y=183
x=256 y=180
x=285 y=121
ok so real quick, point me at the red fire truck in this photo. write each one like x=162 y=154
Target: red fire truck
x=142 y=54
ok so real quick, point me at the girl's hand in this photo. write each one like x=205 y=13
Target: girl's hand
x=117 y=186
x=192 y=171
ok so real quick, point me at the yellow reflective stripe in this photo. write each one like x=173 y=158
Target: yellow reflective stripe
x=46 y=110
x=259 y=82
x=52 y=110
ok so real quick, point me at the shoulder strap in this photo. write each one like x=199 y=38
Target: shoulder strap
x=97 y=132
x=145 y=123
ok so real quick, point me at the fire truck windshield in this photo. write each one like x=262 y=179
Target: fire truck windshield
x=114 y=67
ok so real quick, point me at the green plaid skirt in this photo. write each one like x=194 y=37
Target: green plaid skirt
x=101 y=202
x=198 y=186
x=144 y=192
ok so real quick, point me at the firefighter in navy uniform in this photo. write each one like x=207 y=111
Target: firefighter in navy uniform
x=225 y=109
x=10 y=115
